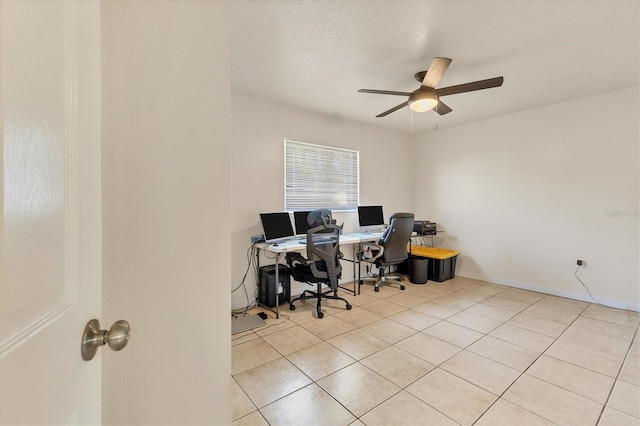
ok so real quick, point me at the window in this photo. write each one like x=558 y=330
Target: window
x=318 y=176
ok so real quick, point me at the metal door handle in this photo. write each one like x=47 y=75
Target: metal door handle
x=92 y=338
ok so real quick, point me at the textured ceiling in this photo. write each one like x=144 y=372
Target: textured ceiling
x=315 y=55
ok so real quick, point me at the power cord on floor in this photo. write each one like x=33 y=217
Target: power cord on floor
x=250 y=262
x=585 y=286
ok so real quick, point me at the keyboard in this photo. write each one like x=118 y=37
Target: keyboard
x=367 y=235
x=323 y=239
x=293 y=243
x=287 y=241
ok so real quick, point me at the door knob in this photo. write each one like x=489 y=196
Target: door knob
x=92 y=338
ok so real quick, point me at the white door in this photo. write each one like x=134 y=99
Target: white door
x=51 y=218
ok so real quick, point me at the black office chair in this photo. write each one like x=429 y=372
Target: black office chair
x=390 y=250
x=322 y=265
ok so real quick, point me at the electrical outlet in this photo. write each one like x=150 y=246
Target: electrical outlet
x=580 y=262
x=257 y=239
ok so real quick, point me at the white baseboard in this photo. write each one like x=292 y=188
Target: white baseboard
x=298 y=288
x=612 y=303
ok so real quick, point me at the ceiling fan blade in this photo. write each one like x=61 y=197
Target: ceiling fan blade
x=384 y=92
x=395 y=108
x=470 y=87
x=435 y=72
x=442 y=108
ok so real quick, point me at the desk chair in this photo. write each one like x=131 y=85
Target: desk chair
x=322 y=265
x=390 y=250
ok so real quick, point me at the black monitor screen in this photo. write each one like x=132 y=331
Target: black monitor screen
x=276 y=225
x=300 y=219
x=370 y=215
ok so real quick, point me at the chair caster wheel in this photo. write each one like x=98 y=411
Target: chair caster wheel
x=292 y=307
x=349 y=307
x=376 y=289
x=320 y=314
x=360 y=282
x=402 y=287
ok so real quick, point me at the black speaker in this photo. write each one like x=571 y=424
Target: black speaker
x=267 y=288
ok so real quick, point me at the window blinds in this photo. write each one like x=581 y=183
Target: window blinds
x=320 y=177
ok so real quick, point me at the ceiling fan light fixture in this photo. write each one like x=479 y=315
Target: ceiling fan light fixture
x=423 y=101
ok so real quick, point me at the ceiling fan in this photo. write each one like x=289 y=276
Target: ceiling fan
x=427 y=97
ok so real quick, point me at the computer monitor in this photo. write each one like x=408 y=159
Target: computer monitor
x=276 y=225
x=300 y=220
x=370 y=216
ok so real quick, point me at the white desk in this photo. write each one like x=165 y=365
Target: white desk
x=362 y=237
x=354 y=239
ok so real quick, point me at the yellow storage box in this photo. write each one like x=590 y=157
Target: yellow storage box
x=432 y=252
x=442 y=264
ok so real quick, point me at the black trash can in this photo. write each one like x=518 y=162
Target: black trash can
x=418 y=269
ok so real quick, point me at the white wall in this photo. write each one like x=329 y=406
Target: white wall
x=523 y=196
x=257 y=170
x=166 y=233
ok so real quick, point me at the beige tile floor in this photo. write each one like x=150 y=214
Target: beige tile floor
x=461 y=352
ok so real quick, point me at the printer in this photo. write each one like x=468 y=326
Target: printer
x=424 y=227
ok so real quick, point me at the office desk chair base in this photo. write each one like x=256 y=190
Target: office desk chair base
x=383 y=279
x=319 y=295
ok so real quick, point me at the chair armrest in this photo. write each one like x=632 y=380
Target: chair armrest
x=371 y=252
x=294 y=258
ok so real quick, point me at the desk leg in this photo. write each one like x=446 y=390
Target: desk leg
x=353 y=290
x=356 y=264
x=359 y=266
x=276 y=289
x=355 y=260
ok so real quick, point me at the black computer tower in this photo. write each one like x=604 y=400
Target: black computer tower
x=267 y=288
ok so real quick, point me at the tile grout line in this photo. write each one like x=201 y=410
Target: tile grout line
x=615 y=382
x=440 y=320
x=526 y=369
x=499 y=397
x=463 y=349
x=359 y=361
x=438 y=365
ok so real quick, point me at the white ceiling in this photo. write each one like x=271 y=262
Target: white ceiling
x=316 y=54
